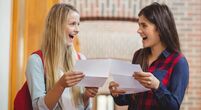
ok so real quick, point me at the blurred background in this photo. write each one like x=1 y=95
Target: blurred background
x=108 y=30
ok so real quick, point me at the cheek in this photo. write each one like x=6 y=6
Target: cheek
x=67 y=30
x=157 y=37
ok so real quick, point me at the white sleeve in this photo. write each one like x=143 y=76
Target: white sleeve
x=36 y=82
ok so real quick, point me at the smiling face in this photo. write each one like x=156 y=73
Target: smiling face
x=72 y=26
x=148 y=32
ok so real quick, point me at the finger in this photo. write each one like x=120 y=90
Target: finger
x=146 y=84
x=140 y=77
x=115 y=95
x=72 y=77
x=145 y=81
x=73 y=73
x=141 y=74
x=72 y=84
x=73 y=80
x=91 y=87
x=113 y=84
x=78 y=72
x=118 y=92
x=94 y=91
x=90 y=94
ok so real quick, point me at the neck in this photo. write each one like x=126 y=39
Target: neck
x=157 y=50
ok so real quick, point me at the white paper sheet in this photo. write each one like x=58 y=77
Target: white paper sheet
x=129 y=84
x=98 y=70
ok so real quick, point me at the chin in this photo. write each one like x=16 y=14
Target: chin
x=69 y=44
x=145 y=46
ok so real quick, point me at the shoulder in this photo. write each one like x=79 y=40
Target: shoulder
x=34 y=69
x=34 y=58
x=34 y=63
x=180 y=58
x=180 y=61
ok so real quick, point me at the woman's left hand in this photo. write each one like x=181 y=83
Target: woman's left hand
x=147 y=79
x=90 y=91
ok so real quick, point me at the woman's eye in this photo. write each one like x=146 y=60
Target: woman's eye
x=144 y=26
x=73 y=23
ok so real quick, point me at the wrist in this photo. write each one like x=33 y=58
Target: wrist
x=59 y=86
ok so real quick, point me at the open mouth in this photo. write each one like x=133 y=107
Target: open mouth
x=71 y=36
x=144 y=38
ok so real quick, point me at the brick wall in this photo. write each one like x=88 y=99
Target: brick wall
x=187 y=15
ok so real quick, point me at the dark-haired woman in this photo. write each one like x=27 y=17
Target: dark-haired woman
x=165 y=69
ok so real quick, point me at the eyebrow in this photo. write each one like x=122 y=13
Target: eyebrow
x=142 y=22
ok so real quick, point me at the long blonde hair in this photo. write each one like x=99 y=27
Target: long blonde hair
x=57 y=55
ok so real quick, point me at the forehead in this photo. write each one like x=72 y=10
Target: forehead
x=73 y=16
x=143 y=19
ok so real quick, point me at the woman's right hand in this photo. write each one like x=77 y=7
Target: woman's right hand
x=114 y=90
x=70 y=79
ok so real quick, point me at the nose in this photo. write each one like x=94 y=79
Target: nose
x=77 y=29
x=139 y=31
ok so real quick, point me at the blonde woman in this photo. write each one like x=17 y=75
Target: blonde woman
x=53 y=86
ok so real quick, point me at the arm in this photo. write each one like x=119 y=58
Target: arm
x=172 y=97
x=36 y=83
x=67 y=80
x=41 y=99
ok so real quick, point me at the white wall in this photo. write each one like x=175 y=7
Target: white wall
x=5 y=28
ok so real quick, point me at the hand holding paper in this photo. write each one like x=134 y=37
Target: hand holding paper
x=113 y=87
x=98 y=70
x=147 y=79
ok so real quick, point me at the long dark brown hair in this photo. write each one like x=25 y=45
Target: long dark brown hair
x=161 y=16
